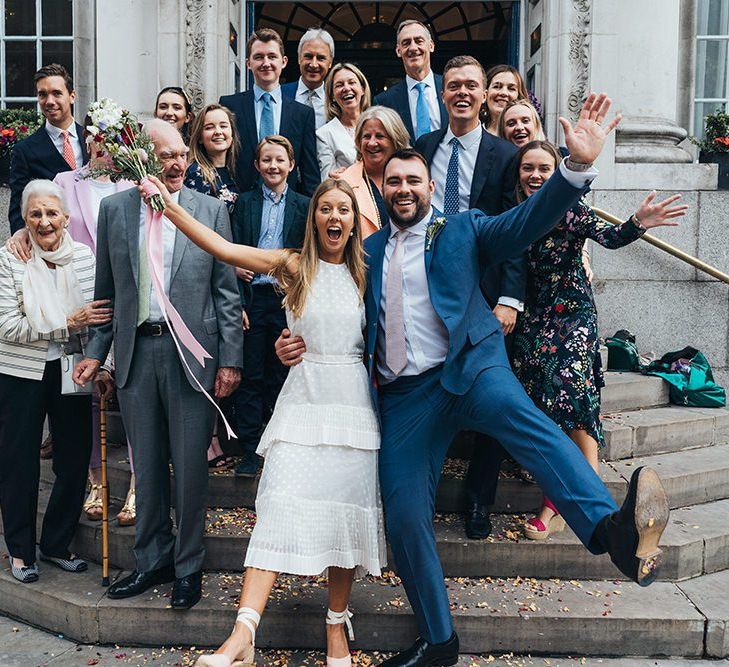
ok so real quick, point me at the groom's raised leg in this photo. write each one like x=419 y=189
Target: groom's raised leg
x=416 y=432
x=498 y=405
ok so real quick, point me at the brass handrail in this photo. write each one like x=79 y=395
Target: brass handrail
x=671 y=250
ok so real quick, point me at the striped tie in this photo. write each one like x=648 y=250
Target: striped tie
x=68 y=150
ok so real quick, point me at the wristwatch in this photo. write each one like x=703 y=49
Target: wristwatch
x=576 y=166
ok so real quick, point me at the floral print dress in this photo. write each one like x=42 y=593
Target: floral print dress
x=556 y=355
x=226 y=188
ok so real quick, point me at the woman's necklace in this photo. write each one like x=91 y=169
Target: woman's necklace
x=372 y=194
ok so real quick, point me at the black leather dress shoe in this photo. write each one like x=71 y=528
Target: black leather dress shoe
x=138 y=582
x=478 y=522
x=631 y=534
x=187 y=591
x=424 y=654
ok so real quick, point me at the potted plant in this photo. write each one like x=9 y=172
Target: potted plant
x=15 y=125
x=714 y=148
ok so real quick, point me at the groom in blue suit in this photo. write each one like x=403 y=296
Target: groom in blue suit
x=436 y=357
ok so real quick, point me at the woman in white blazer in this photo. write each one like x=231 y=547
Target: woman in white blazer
x=347 y=96
x=46 y=305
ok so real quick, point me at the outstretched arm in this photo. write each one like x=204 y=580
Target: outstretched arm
x=247 y=257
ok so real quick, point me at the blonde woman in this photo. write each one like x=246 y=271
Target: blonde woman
x=347 y=96
x=519 y=123
x=318 y=505
x=503 y=85
x=380 y=133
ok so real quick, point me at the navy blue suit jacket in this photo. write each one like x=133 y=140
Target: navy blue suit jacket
x=289 y=89
x=35 y=157
x=297 y=125
x=245 y=225
x=396 y=97
x=492 y=191
x=467 y=243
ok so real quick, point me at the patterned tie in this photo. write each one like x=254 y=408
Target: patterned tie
x=68 y=150
x=396 y=355
x=266 y=128
x=422 y=113
x=145 y=285
x=450 y=196
x=310 y=95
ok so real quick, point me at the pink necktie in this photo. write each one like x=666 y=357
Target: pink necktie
x=395 y=348
x=68 y=150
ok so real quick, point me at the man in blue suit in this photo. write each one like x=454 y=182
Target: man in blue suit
x=265 y=111
x=436 y=357
x=417 y=98
x=477 y=172
x=316 y=56
x=55 y=147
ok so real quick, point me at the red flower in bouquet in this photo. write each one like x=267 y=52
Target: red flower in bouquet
x=722 y=141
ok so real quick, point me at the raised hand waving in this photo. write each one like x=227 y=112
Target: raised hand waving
x=586 y=139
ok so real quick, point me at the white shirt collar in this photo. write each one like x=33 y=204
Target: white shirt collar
x=303 y=88
x=428 y=81
x=467 y=140
x=275 y=93
x=55 y=132
x=418 y=228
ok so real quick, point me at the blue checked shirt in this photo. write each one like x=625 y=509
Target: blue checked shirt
x=272 y=221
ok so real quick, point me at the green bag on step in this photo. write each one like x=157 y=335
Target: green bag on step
x=622 y=352
x=690 y=378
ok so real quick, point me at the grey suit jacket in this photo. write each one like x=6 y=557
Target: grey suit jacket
x=199 y=285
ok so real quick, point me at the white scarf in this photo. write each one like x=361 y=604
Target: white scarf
x=50 y=296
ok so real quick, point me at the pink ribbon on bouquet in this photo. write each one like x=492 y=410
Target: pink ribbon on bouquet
x=180 y=332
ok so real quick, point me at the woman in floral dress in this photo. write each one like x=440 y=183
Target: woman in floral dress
x=556 y=355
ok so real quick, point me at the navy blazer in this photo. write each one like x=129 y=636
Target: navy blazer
x=289 y=89
x=467 y=243
x=492 y=191
x=246 y=225
x=35 y=156
x=396 y=97
x=297 y=125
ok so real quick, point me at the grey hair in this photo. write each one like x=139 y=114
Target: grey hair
x=41 y=187
x=316 y=33
x=390 y=120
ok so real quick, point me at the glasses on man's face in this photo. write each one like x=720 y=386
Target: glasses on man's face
x=173 y=157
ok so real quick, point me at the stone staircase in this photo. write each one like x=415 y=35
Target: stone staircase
x=508 y=594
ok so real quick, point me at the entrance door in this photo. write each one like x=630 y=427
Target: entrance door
x=365 y=32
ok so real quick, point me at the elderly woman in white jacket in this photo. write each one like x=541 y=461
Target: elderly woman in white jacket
x=347 y=96
x=45 y=306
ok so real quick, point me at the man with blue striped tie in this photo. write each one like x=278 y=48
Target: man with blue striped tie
x=417 y=98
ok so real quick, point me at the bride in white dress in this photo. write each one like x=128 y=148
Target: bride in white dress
x=318 y=504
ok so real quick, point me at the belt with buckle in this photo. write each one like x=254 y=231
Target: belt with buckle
x=153 y=329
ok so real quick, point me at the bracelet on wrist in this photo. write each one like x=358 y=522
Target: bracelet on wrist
x=637 y=223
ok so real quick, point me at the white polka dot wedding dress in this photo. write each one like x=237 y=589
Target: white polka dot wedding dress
x=318 y=502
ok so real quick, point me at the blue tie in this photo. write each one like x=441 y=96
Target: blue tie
x=451 y=196
x=422 y=113
x=266 y=127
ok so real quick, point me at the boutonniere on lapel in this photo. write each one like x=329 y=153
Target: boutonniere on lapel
x=432 y=230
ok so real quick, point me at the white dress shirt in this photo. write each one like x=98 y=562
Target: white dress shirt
x=169 y=234
x=55 y=134
x=304 y=94
x=431 y=97
x=426 y=337
x=335 y=147
x=275 y=105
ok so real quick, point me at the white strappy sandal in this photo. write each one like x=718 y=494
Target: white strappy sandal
x=250 y=618
x=337 y=618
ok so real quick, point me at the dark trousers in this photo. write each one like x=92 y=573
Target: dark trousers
x=263 y=373
x=24 y=405
x=419 y=418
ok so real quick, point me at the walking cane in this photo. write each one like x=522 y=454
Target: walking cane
x=104 y=496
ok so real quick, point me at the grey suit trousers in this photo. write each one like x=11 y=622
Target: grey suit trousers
x=165 y=418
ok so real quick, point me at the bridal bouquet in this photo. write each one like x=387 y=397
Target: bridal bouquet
x=127 y=151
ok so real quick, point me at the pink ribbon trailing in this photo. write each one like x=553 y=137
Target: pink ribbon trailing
x=181 y=334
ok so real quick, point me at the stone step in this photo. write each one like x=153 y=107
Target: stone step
x=691 y=477
x=632 y=391
x=696 y=542
x=491 y=615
